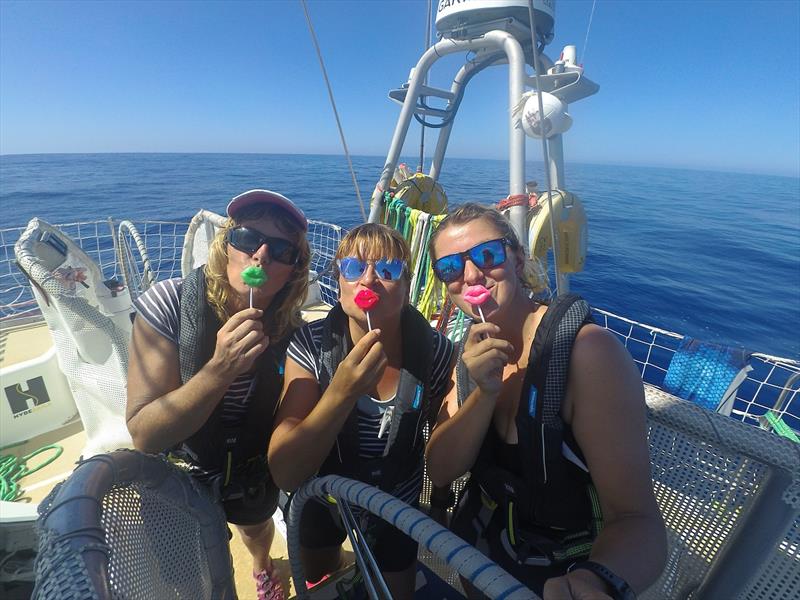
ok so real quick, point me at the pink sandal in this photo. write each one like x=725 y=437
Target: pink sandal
x=268 y=585
x=310 y=585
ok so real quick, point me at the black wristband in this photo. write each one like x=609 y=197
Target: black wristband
x=619 y=587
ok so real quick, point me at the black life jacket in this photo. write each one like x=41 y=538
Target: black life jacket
x=405 y=445
x=215 y=446
x=550 y=507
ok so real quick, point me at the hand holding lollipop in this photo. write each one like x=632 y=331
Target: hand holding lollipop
x=477 y=295
x=365 y=299
x=253 y=277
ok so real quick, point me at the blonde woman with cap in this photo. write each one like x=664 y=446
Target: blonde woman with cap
x=206 y=363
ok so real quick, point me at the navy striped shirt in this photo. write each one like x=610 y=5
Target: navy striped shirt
x=160 y=307
x=304 y=349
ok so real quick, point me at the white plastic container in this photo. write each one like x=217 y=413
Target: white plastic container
x=36 y=399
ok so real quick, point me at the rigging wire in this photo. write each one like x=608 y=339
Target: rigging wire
x=545 y=152
x=425 y=47
x=588 y=29
x=335 y=112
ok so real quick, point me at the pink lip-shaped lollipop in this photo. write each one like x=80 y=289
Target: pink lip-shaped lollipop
x=477 y=295
x=365 y=299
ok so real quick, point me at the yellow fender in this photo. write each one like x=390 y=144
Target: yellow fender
x=420 y=191
x=572 y=228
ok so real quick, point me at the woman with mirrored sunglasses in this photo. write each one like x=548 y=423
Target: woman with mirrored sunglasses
x=547 y=413
x=355 y=402
x=205 y=371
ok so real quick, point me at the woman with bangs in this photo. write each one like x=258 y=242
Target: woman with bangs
x=357 y=392
x=547 y=413
x=206 y=364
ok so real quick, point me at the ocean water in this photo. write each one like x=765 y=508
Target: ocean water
x=712 y=255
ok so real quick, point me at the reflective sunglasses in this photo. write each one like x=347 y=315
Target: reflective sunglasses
x=353 y=268
x=249 y=241
x=484 y=256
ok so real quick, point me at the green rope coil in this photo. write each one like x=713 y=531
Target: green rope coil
x=13 y=468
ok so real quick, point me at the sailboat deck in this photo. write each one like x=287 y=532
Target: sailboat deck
x=23 y=342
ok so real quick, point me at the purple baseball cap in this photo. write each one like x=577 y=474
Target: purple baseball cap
x=253 y=197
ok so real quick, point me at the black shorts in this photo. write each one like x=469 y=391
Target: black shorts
x=252 y=509
x=321 y=527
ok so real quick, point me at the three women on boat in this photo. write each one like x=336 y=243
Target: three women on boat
x=547 y=412
x=206 y=363
x=359 y=388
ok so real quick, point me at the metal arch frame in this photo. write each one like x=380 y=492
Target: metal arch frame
x=517 y=80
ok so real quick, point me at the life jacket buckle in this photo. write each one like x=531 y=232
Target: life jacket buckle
x=522 y=553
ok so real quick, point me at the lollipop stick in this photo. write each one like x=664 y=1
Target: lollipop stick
x=480 y=312
x=251 y=297
x=369 y=325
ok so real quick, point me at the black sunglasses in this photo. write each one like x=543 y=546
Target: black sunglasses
x=249 y=241
x=484 y=256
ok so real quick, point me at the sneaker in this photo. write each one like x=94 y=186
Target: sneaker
x=268 y=585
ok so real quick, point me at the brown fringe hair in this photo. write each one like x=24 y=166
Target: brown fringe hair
x=372 y=241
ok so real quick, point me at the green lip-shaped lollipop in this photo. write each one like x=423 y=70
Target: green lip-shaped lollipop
x=254 y=276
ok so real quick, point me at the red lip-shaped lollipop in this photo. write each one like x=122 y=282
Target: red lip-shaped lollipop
x=365 y=299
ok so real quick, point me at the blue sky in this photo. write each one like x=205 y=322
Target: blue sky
x=705 y=85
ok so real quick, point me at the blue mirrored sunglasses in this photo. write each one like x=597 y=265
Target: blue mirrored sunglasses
x=484 y=256
x=353 y=268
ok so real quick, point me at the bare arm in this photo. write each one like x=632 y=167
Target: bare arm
x=459 y=433
x=605 y=406
x=161 y=411
x=306 y=425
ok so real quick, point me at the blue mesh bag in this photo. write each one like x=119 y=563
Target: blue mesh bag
x=707 y=374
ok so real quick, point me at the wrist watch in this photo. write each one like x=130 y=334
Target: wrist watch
x=620 y=588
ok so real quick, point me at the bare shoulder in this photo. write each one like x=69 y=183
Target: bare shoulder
x=301 y=392
x=597 y=351
x=601 y=374
x=597 y=344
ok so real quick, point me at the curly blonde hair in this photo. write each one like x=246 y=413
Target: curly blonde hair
x=283 y=314
x=533 y=277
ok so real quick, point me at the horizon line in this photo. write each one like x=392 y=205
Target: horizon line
x=342 y=155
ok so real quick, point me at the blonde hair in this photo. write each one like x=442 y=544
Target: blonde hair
x=283 y=313
x=372 y=241
x=533 y=277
